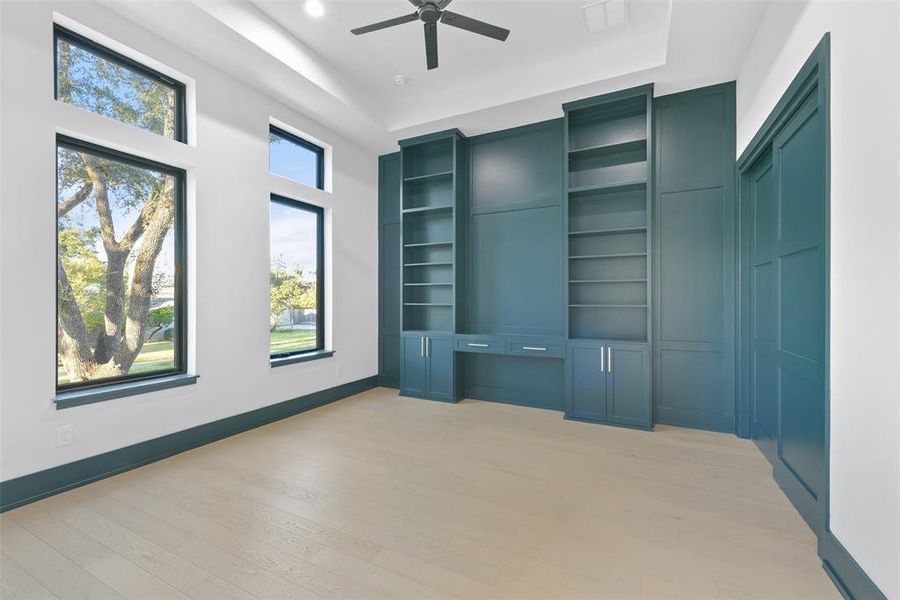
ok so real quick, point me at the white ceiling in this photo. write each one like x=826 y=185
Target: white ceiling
x=549 y=49
x=347 y=82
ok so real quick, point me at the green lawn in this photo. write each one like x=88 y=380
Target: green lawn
x=290 y=340
x=160 y=356
x=154 y=356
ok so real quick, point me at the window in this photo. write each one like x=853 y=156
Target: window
x=295 y=158
x=104 y=82
x=296 y=278
x=120 y=267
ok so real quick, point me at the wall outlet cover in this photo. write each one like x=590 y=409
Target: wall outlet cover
x=63 y=435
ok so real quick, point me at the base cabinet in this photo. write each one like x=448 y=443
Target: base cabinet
x=608 y=382
x=428 y=367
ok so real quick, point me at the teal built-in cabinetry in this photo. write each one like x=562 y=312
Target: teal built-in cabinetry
x=609 y=176
x=434 y=184
x=526 y=260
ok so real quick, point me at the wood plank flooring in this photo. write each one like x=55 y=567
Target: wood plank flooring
x=378 y=496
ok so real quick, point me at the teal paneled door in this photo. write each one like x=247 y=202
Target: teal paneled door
x=788 y=307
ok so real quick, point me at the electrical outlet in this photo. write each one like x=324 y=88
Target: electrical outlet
x=63 y=435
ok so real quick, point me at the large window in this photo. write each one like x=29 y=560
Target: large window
x=120 y=267
x=295 y=158
x=102 y=81
x=296 y=278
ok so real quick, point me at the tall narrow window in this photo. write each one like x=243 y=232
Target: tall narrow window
x=295 y=158
x=120 y=276
x=296 y=278
x=107 y=83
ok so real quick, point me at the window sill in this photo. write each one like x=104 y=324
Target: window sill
x=300 y=358
x=120 y=390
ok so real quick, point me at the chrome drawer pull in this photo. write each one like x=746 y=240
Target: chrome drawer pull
x=537 y=348
x=474 y=345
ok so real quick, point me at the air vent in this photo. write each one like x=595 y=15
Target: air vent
x=605 y=14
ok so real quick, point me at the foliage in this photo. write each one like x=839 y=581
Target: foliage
x=160 y=318
x=104 y=87
x=289 y=289
x=86 y=272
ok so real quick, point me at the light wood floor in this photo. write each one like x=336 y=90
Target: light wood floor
x=378 y=496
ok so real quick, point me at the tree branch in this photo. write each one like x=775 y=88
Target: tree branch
x=155 y=231
x=74 y=346
x=104 y=213
x=74 y=200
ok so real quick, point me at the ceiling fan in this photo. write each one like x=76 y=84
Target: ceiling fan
x=430 y=12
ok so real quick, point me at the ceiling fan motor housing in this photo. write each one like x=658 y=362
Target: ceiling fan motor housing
x=429 y=13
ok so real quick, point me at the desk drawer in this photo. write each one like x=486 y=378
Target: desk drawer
x=539 y=347
x=484 y=344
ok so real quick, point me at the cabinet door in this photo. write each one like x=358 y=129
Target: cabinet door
x=440 y=368
x=628 y=386
x=586 y=382
x=414 y=372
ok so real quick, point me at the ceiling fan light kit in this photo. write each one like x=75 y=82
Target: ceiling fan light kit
x=432 y=12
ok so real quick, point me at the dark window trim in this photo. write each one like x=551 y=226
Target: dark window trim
x=320 y=280
x=60 y=32
x=179 y=227
x=319 y=151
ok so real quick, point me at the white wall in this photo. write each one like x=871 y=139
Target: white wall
x=229 y=188
x=865 y=251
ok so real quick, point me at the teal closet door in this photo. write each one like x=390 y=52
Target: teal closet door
x=788 y=308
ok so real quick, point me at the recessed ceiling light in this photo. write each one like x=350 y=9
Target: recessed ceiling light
x=400 y=79
x=315 y=8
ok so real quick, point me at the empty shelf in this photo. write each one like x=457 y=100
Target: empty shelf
x=623 y=255
x=608 y=230
x=606 y=187
x=607 y=281
x=425 y=209
x=427 y=284
x=426 y=244
x=429 y=176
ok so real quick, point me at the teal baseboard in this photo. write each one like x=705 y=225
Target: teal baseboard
x=851 y=581
x=35 y=486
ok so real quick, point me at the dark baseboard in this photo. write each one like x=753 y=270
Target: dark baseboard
x=851 y=581
x=389 y=381
x=35 y=486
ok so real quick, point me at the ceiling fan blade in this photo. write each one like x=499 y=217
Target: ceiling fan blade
x=443 y=3
x=417 y=3
x=474 y=25
x=385 y=24
x=431 y=47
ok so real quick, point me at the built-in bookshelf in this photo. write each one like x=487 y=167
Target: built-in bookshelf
x=608 y=219
x=431 y=180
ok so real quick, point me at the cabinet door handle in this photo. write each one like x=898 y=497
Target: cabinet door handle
x=474 y=345
x=422 y=347
x=609 y=360
x=601 y=358
x=427 y=347
x=535 y=348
